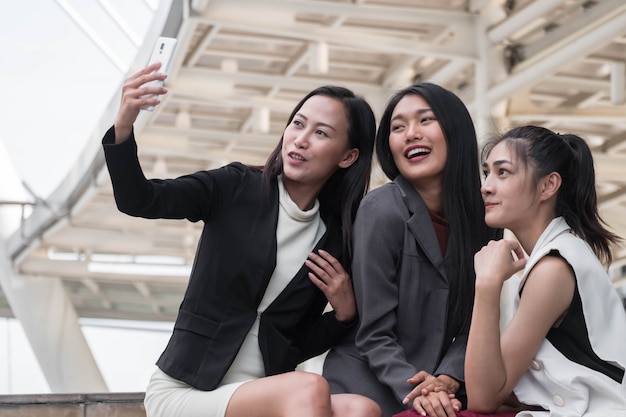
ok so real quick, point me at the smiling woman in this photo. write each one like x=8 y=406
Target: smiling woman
x=415 y=238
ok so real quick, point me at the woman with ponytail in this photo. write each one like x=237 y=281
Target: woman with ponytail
x=562 y=352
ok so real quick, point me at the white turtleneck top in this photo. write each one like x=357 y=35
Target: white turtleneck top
x=297 y=233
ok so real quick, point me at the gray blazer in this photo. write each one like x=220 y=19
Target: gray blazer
x=401 y=285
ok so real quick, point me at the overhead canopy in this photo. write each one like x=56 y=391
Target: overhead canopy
x=240 y=67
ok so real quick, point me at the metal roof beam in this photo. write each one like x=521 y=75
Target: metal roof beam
x=528 y=77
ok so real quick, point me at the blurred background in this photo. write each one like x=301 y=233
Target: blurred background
x=88 y=295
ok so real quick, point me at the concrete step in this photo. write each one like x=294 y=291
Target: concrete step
x=73 y=405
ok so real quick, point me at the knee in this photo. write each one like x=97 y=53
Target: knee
x=354 y=405
x=311 y=389
x=369 y=408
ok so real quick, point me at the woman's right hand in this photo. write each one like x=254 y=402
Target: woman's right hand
x=498 y=261
x=135 y=95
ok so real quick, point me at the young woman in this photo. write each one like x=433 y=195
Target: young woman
x=414 y=242
x=563 y=350
x=272 y=255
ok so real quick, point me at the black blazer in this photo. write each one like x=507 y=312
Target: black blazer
x=234 y=261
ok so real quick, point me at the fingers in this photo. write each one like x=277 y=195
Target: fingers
x=329 y=276
x=436 y=404
x=498 y=261
x=418 y=377
x=141 y=83
x=418 y=407
x=327 y=262
x=411 y=396
x=456 y=404
x=325 y=267
x=139 y=91
x=426 y=383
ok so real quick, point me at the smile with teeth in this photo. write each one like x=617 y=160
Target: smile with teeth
x=417 y=152
x=296 y=156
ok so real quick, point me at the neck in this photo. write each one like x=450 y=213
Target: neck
x=529 y=233
x=304 y=196
x=432 y=196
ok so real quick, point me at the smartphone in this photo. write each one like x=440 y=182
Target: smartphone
x=163 y=52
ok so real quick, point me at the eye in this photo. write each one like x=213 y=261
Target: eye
x=297 y=122
x=321 y=132
x=427 y=119
x=396 y=128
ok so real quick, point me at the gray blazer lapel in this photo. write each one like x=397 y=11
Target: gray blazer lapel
x=421 y=226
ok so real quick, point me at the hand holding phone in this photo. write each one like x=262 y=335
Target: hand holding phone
x=163 y=52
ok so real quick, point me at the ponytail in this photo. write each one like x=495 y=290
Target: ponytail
x=577 y=200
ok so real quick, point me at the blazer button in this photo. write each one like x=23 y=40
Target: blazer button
x=535 y=365
x=558 y=400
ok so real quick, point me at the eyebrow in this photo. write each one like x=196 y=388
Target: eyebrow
x=419 y=111
x=498 y=163
x=318 y=124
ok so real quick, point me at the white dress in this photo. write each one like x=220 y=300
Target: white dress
x=557 y=384
x=297 y=233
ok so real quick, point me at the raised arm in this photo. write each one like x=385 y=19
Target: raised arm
x=135 y=95
x=495 y=363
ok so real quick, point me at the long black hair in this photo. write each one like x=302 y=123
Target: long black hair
x=342 y=193
x=545 y=151
x=463 y=206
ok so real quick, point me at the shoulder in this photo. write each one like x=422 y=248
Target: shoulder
x=574 y=252
x=239 y=168
x=382 y=211
x=235 y=173
x=384 y=201
x=387 y=194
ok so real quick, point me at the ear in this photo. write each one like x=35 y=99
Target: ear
x=349 y=158
x=550 y=185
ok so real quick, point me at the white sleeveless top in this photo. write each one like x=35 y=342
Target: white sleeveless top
x=552 y=381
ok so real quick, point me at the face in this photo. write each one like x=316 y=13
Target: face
x=508 y=191
x=315 y=143
x=417 y=143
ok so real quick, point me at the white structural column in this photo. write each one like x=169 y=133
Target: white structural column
x=44 y=309
x=51 y=325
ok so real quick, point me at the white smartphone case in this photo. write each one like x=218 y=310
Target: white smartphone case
x=163 y=52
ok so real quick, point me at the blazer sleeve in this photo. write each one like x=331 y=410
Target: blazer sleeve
x=453 y=362
x=324 y=334
x=378 y=244
x=193 y=196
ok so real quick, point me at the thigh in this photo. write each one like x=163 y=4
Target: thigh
x=288 y=394
x=168 y=397
x=354 y=405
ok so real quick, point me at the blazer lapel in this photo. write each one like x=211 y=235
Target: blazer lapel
x=420 y=225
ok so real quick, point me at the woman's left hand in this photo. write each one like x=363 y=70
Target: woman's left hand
x=330 y=277
x=437 y=404
x=433 y=395
x=426 y=383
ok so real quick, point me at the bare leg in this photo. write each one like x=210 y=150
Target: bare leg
x=353 y=405
x=301 y=394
